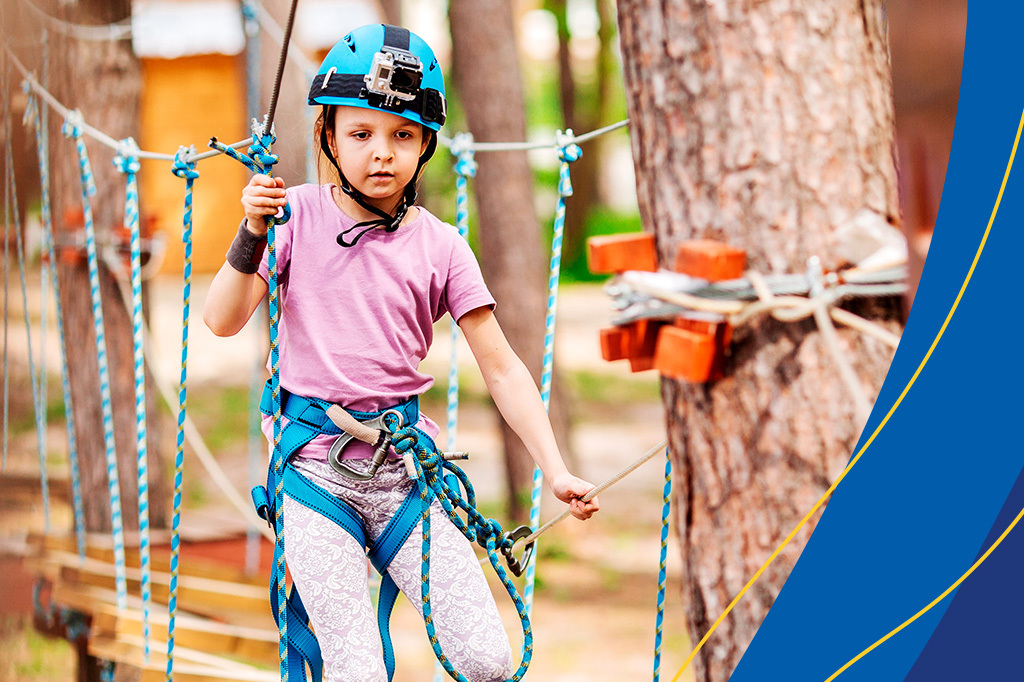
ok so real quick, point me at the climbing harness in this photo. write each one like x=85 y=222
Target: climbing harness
x=72 y=128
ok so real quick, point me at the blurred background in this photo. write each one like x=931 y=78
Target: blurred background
x=175 y=72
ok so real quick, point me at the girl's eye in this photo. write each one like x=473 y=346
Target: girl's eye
x=360 y=135
x=403 y=135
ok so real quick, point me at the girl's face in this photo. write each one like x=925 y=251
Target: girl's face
x=377 y=151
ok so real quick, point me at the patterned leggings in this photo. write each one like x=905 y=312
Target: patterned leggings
x=330 y=571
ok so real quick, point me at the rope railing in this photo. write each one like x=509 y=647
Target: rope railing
x=120 y=30
x=114 y=144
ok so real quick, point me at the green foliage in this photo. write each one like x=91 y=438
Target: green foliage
x=27 y=655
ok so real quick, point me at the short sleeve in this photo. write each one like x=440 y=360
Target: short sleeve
x=465 y=289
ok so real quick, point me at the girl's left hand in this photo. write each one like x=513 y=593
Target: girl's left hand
x=571 y=490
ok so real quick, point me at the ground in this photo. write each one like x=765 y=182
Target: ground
x=594 y=615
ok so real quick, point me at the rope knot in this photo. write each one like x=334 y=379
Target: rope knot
x=127 y=158
x=429 y=459
x=464 y=151
x=31 y=115
x=73 y=123
x=259 y=151
x=183 y=165
x=568 y=151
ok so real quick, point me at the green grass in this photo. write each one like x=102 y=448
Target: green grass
x=27 y=655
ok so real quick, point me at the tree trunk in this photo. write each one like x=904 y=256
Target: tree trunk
x=763 y=126
x=513 y=260
x=102 y=80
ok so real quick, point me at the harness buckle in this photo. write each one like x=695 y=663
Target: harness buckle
x=381 y=447
x=517 y=566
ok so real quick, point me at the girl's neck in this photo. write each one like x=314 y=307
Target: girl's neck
x=353 y=210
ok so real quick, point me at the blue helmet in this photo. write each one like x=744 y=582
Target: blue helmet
x=383 y=67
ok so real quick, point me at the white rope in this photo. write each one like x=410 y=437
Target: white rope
x=114 y=144
x=592 y=494
x=105 y=33
x=565 y=139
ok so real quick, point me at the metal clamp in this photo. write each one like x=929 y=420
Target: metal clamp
x=517 y=566
x=381 y=447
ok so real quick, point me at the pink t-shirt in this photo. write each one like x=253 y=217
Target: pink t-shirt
x=356 y=322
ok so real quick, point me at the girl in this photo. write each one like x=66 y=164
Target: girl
x=364 y=274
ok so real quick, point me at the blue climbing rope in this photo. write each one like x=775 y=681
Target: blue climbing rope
x=185 y=169
x=11 y=209
x=662 y=562
x=72 y=128
x=259 y=159
x=465 y=168
x=430 y=481
x=34 y=117
x=127 y=162
x=568 y=151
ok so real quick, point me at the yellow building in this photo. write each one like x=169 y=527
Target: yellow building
x=192 y=54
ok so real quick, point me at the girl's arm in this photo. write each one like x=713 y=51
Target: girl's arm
x=234 y=295
x=517 y=398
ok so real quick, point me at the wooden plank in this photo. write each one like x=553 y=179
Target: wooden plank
x=100 y=548
x=248 y=643
x=189 y=665
x=223 y=599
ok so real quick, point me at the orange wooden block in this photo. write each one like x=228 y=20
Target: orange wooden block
x=710 y=260
x=641 y=340
x=620 y=252
x=683 y=354
x=614 y=344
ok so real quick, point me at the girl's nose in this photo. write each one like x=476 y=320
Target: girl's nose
x=382 y=151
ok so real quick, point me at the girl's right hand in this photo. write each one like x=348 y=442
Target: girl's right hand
x=263 y=196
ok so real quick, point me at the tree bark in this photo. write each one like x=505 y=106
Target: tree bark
x=766 y=127
x=513 y=260
x=102 y=80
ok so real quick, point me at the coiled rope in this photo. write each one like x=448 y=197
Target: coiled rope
x=34 y=118
x=72 y=128
x=186 y=170
x=127 y=162
x=430 y=470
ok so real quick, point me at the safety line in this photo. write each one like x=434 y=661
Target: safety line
x=885 y=420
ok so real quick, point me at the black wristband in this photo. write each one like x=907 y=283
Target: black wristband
x=246 y=251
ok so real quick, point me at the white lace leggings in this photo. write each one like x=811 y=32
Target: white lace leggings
x=329 y=569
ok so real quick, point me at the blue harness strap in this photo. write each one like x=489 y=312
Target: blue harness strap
x=306 y=419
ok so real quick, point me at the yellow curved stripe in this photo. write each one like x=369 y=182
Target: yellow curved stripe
x=878 y=429
x=935 y=601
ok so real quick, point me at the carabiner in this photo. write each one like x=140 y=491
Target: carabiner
x=381 y=447
x=517 y=566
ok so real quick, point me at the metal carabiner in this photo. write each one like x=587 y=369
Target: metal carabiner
x=381 y=447
x=517 y=566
